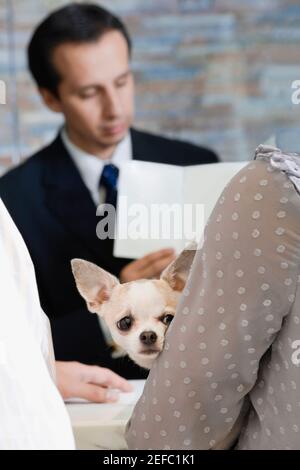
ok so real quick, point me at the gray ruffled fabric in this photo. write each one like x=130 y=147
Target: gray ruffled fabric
x=287 y=162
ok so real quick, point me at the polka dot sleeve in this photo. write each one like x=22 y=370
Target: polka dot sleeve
x=241 y=288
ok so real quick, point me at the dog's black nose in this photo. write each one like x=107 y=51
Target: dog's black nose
x=148 y=337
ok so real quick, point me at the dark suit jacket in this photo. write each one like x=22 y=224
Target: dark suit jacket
x=56 y=216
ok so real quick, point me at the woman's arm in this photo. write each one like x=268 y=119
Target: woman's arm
x=242 y=285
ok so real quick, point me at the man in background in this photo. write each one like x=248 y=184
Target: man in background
x=79 y=57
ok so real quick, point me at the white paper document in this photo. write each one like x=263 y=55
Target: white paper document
x=102 y=425
x=163 y=205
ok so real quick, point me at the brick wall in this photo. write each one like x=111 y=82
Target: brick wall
x=216 y=72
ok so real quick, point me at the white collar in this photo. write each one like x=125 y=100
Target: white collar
x=90 y=167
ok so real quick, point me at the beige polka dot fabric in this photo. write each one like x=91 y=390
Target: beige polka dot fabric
x=232 y=352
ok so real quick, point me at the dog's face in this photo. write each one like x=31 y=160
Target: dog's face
x=137 y=313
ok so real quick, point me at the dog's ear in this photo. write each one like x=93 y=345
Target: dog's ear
x=177 y=272
x=93 y=283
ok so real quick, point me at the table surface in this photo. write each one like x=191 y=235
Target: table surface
x=102 y=426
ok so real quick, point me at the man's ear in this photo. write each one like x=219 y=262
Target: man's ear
x=177 y=272
x=50 y=100
x=93 y=283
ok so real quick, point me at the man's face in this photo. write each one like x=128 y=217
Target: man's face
x=95 y=92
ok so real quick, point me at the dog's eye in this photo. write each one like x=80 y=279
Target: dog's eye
x=125 y=323
x=167 y=319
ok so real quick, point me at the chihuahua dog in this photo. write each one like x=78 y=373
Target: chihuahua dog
x=137 y=313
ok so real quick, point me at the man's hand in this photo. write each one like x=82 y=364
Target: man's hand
x=92 y=383
x=150 y=266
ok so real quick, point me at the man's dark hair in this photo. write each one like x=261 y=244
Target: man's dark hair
x=76 y=23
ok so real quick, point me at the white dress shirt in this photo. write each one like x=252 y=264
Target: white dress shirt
x=90 y=166
x=33 y=415
x=90 y=169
